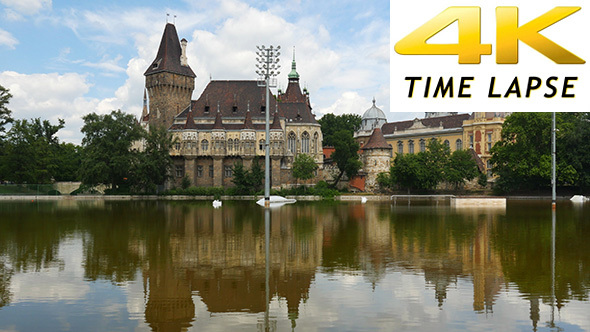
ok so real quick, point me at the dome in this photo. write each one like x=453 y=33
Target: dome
x=373 y=118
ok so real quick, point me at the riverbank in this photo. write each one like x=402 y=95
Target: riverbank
x=393 y=198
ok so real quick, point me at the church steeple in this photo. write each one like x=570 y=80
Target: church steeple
x=293 y=75
x=144 y=112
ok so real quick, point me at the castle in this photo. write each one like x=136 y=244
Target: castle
x=226 y=124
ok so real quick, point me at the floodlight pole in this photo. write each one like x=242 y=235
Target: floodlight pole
x=553 y=157
x=267 y=67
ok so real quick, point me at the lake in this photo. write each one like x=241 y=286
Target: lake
x=314 y=266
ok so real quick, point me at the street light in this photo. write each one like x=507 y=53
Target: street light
x=267 y=67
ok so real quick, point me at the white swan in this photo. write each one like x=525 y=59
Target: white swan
x=216 y=203
x=363 y=199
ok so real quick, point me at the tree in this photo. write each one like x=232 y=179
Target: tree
x=409 y=171
x=153 y=168
x=332 y=123
x=460 y=168
x=304 y=167
x=345 y=155
x=107 y=155
x=4 y=111
x=522 y=159
x=247 y=181
x=32 y=152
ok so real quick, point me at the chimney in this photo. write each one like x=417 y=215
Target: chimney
x=183 y=60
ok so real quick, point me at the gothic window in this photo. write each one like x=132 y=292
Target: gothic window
x=210 y=171
x=200 y=171
x=400 y=147
x=447 y=143
x=230 y=144
x=292 y=143
x=227 y=171
x=471 y=141
x=315 y=142
x=177 y=146
x=422 y=145
x=236 y=145
x=305 y=142
x=204 y=145
x=261 y=145
x=179 y=171
x=459 y=144
x=410 y=146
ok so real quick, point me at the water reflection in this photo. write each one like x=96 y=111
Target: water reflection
x=238 y=261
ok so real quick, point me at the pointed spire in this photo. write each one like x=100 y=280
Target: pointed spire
x=169 y=55
x=293 y=74
x=248 y=119
x=144 y=113
x=218 y=123
x=190 y=119
x=276 y=124
x=374 y=101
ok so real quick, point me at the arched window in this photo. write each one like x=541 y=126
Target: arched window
x=459 y=144
x=400 y=147
x=315 y=142
x=447 y=143
x=422 y=145
x=292 y=142
x=204 y=145
x=230 y=144
x=261 y=145
x=305 y=142
x=410 y=146
x=237 y=144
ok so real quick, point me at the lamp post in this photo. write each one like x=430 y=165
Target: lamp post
x=553 y=157
x=267 y=67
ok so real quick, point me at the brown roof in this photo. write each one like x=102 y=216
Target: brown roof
x=376 y=141
x=248 y=121
x=276 y=124
x=218 y=124
x=234 y=98
x=293 y=93
x=190 y=121
x=448 y=122
x=168 y=57
x=477 y=159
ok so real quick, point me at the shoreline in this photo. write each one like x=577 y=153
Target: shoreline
x=343 y=198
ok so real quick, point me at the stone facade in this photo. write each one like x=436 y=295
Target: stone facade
x=226 y=124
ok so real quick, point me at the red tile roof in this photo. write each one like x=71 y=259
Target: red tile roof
x=376 y=141
x=448 y=122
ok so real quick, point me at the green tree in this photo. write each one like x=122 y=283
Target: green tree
x=32 y=151
x=460 y=168
x=107 y=156
x=304 y=167
x=248 y=181
x=153 y=168
x=409 y=172
x=4 y=111
x=68 y=162
x=522 y=159
x=345 y=155
x=331 y=124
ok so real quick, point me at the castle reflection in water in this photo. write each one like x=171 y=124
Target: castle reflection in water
x=192 y=255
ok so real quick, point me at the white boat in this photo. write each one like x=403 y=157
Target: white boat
x=579 y=199
x=276 y=201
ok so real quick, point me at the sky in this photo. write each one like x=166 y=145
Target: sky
x=65 y=59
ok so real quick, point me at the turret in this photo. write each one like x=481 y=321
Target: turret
x=169 y=80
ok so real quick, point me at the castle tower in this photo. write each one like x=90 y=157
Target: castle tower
x=169 y=80
x=376 y=158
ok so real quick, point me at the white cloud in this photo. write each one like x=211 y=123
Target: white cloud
x=25 y=7
x=7 y=39
x=51 y=96
x=350 y=102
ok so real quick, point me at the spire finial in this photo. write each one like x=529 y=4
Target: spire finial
x=373 y=100
x=293 y=73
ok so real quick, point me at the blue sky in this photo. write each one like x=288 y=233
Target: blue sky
x=65 y=59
